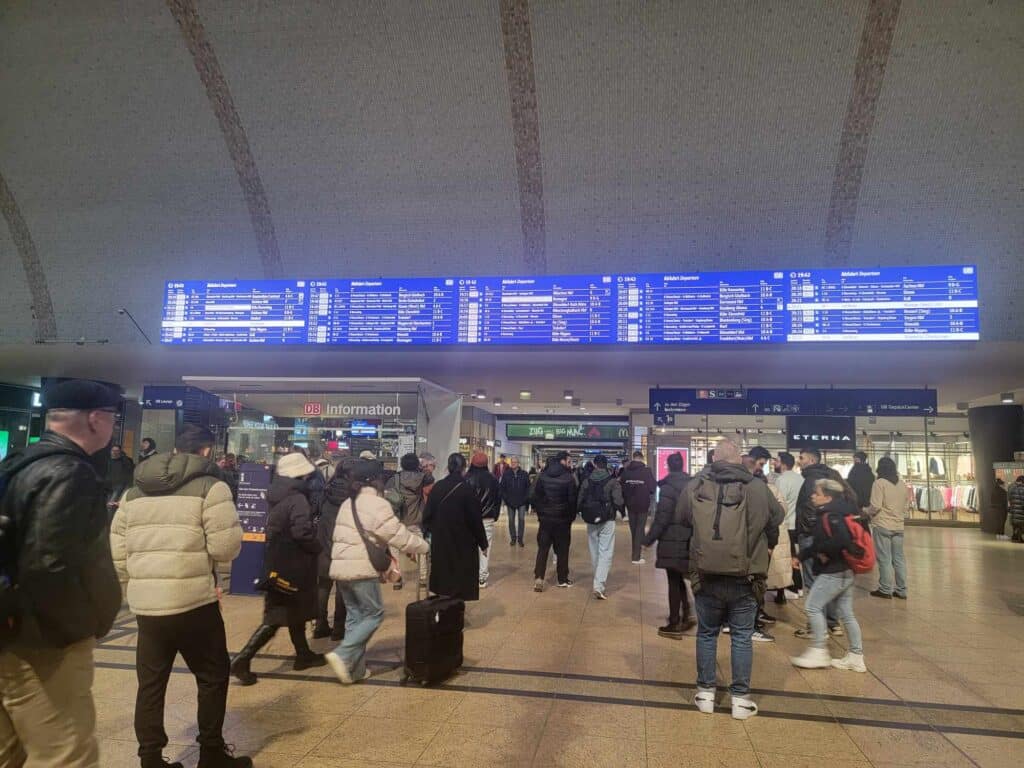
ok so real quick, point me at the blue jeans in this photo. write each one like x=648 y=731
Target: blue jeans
x=834 y=589
x=513 y=514
x=365 y=612
x=807 y=572
x=601 y=537
x=889 y=553
x=724 y=601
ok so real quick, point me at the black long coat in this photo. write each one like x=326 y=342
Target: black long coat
x=292 y=550
x=673 y=537
x=453 y=520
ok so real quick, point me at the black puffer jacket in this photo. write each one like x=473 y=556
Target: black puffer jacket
x=673 y=538
x=292 y=550
x=807 y=513
x=485 y=486
x=554 y=495
x=334 y=496
x=862 y=480
x=1015 y=499
x=515 y=488
x=58 y=511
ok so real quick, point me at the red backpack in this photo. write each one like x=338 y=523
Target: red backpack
x=861 y=538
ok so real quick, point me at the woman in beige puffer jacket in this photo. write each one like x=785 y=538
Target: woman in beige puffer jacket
x=358 y=581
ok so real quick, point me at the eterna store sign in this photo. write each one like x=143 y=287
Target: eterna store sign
x=837 y=433
x=573 y=432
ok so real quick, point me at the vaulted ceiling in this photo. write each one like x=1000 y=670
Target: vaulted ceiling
x=148 y=140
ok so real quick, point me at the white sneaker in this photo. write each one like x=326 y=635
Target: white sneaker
x=792 y=594
x=852 y=662
x=743 y=709
x=726 y=629
x=483 y=583
x=813 y=658
x=705 y=700
x=641 y=561
x=337 y=666
x=599 y=595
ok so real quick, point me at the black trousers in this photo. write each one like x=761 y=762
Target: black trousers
x=794 y=549
x=558 y=535
x=638 y=528
x=677 y=599
x=323 y=594
x=198 y=636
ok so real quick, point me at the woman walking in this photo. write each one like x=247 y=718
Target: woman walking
x=454 y=519
x=290 y=564
x=365 y=522
x=833 y=578
x=889 y=503
x=673 y=537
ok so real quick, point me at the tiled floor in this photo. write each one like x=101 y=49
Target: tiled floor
x=557 y=679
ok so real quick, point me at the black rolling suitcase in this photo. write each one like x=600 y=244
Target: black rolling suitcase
x=433 y=639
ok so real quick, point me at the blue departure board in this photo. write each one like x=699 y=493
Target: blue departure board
x=818 y=305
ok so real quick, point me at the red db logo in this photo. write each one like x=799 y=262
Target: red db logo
x=312 y=409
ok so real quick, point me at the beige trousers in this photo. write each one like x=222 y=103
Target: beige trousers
x=47 y=716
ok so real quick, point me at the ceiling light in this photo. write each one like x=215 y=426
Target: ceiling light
x=1006 y=397
x=567 y=394
x=515 y=407
x=525 y=394
x=481 y=394
x=498 y=401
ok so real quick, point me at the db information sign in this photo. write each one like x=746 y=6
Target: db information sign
x=312 y=409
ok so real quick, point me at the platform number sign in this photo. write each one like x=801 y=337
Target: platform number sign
x=312 y=409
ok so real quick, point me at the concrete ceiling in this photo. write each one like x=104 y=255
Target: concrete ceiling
x=142 y=141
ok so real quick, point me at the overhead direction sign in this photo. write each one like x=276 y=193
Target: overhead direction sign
x=786 y=402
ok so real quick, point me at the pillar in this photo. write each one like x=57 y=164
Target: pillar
x=997 y=431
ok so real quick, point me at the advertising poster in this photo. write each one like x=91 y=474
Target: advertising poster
x=662 y=455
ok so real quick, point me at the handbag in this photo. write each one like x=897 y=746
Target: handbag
x=380 y=556
x=273 y=580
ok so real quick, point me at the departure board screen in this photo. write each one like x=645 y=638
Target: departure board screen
x=821 y=305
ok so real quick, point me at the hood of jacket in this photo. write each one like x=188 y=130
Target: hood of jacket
x=726 y=472
x=282 y=487
x=598 y=475
x=636 y=464
x=165 y=473
x=555 y=469
x=411 y=480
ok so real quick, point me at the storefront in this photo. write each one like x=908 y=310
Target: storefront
x=20 y=417
x=533 y=440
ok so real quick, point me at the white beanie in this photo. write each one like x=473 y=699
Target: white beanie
x=368 y=455
x=294 y=465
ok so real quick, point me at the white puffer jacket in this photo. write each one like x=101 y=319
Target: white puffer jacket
x=169 y=531
x=349 y=559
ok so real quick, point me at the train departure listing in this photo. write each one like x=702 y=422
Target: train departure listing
x=818 y=305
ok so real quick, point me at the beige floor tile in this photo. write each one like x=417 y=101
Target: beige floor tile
x=690 y=727
x=800 y=737
x=411 y=704
x=324 y=698
x=588 y=660
x=668 y=755
x=934 y=691
x=991 y=752
x=771 y=760
x=315 y=761
x=906 y=747
x=382 y=739
x=458 y=744
x=281 y=731
x=595 y=719
x=501 y=711
x=559 y=749
x=116 y=753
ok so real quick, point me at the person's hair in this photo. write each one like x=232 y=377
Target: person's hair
x=812 y=452
x=727 y=451
x=1020 y=478
x=831 y=488
x=456 y=464
x=561 y=456
x=299 y=449
x=787 y=459
x=860 y=456
x=502 y=456
x=365 y=474
x=115 y=445
x=193 y=439
x=1000 y=481
x=601 y=461
x=758 y=452
x=887 y=470
x=410 y=462
x=711 y=456
x=638 y=454
x=675 y=462
x=428 y=457
x=151 y=441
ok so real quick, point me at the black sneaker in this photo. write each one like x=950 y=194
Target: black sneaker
x=780 y=597
x=321 y=631
x=805 y=633
x=762 y=636
x=881 y=594
x=766 y=619
x=566 y=584
x=222 y=758
x=158 y=761
x=309 y=662
x=671 y=631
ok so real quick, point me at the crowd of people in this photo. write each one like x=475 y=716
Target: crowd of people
x=725 y=538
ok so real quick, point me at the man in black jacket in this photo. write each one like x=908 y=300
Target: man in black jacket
x=515 y=493
x=554 y=498
x=639 y=487
x=485 y=486
x=58 y=552
x=861 y=479
x=806 y=521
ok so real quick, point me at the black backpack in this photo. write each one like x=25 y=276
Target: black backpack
x=10 y=600
x=597 y=508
